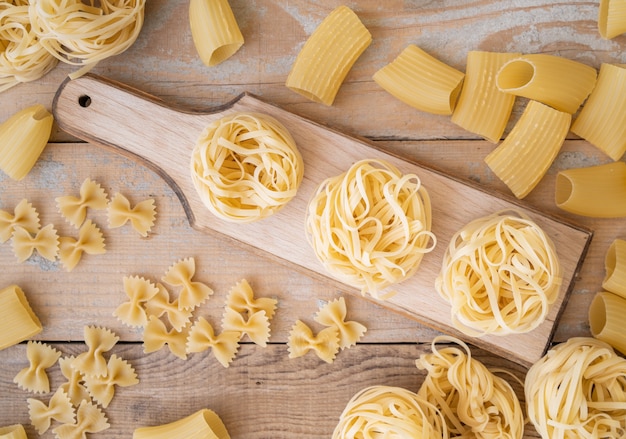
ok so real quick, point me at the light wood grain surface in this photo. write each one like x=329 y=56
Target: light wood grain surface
x=264 y=394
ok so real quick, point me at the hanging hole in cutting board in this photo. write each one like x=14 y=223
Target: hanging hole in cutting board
x=84 y=101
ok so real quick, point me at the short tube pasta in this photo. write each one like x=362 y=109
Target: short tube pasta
x=602 y=120
x=524 y=157
x=203 y=424
x=15 y=431
x=615 y=266
x=606 y=319
x=18 y=321
x=555 y=81
x=595 y=191
x=421 y=81
x=611 y=18
x=482 y=108
x=328 y=55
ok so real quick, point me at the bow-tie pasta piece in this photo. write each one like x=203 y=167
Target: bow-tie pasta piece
x=202 y=337
x=34 y=377
x=192 y=293
x=301 y=340
x=139 y=291
x=98 y=340
x=90 y=241
x=141 y=216
x=59 y=409
x=17 y=319
x=119 y=373
x=74 y=209
x=156 y=335
x=24 y=215
x=15 y=431
x=162 y=304
x=45 y=242
x=89 y=419
x=74 y=388
x=334 y=314
x=256 y=326
x=241 y=299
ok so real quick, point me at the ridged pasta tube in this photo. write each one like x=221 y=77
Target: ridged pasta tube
x=611 y=18
x=18 y=322
x=15 y=431
x=615 y=266
x=606 y=319
x=203 y=424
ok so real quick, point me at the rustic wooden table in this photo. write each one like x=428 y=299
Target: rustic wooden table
x=264 y=394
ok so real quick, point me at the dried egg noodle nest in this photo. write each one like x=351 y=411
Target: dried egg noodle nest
x=578 y=390
x=370 y=226
x=474 y=402
x=246 y=167
x=389 y=412
x=83 y=34
x=22 y=57
x=500 y=273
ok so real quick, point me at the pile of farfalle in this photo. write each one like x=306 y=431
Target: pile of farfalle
x=29 y=237
x=91 y=380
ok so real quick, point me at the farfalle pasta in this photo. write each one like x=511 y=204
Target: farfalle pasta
x=73 y=387
x=302 y=340
x=89 y=419
x=256 y=326
x=161 y=304
x=90 y=240
x=24 y=215
x=59 y=408
x=15 y=431
x=334 y=314
x=224 y=345
x=141 y=216
x=18 y=322
x=91 y=196
x=192 y=293
x=34 y=378
x=139 y=291
x=99 y=341
x=241 y=299
x=45 y=242
x=156 y=336
x=119 y=373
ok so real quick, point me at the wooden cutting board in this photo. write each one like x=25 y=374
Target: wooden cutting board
x=149 y=131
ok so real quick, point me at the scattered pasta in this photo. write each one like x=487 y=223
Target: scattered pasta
x=99 y=341
x=34 y=377
x=500 y=274
x=45 y=241
x=73 y=387
x=389 y=412
x=246 y=167
x=90 y=240
x=241 y=299
x=615 y=266
x=74 y=209
x=370 y=226
x=24 y=215
x=192 y=292
x=139 y=291
x=224 y=345
x=89 y=419
x=162 y=304
x=119 y=373
x=334 y=314
x=18 y=321
x=328 y=55
x=141 y=216
x=256 y=325
x=15 y=431
x=203 y=424
x=577 y=390
x=59 y=408
x=156 y=335
x=302 y=340
x=474 y=401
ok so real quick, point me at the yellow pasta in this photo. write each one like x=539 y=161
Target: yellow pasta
x=246 y=167
x=421 y=81
x=90 y=241
x=333 y=314
x=474 y=402
x=615 y=266
x=18 y=321
x=141 y=216
x=559 y=82
x=203 y=424
x=23 y=138
x=156 y=336
x=89 y=419
x=34 y=377
x=24 y=215
x=224 y=345
x=22 y=57
x=500 y=274
x=256 y=325
x=524 y=157
x=45 y=242
x=74 y=209
x=192 y=293
x=577 y=390
x=606 y=319
x=328 y=55
x=370 y=226
x=611 y=18
x=73 y=387
x=161 y=304
x=389 y=412
x=59 y=409
x=119 y=373
x=139 y=291
x=241 y=299
x=84 y=34
x=301 y=340
x=214 y=30
x=596 y=191
x=482 y=108
x=602 y=120
x=99 y=341
x=15 y=431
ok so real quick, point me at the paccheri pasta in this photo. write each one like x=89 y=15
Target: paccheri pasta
x=246 y=167
x=18 y=321
x=472 y=399
x=328 y=55
x=421 y=81
x=389 y=412
x=606 y=319
x=500 y=274
x=371 y=225
x=203 y=424
x=615 y=268
x=524 y=157
x=577 y=390
x=611 y=18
